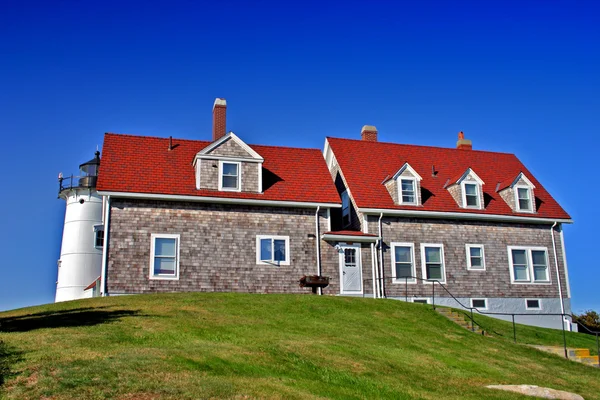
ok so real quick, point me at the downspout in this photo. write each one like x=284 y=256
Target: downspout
x=564 y=254
x=105 y=247
x=318 y=239
x=562 y=302
x=373 y=270
x=382 y=280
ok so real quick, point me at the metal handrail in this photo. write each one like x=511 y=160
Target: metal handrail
x=473 y=322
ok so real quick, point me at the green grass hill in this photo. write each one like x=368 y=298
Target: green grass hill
x=245 y=346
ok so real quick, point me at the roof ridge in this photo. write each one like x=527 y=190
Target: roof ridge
x=208 y=141
x=421 y=146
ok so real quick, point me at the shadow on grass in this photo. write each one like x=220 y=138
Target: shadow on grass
x=63 y=319
x=8 y=356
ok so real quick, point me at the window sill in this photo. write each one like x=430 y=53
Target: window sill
x=273 y=263
x=402 y=281
x=164 y=278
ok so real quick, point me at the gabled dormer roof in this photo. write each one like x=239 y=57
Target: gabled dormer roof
x=208 y=150
x=407 y=167
x=458 y=179
x=512 y=182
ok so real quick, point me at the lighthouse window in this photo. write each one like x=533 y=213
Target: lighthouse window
x=164 y=256
x=99 y=242
x=99 y=236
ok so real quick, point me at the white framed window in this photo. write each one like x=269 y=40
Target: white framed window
x=272 y=250
x=480 y=304
x=345 y=209
x=164 y=256
x=523 y=198
x=471 y=195
x=230 y=173
x=98 y=236
x=432 y=260
x=533 y=304
x=407 y=191
x=529 y=264
x=403 y=262
x=475 y=257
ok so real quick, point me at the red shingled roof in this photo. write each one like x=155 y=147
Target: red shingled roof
x=366 y=164
x=142 y=164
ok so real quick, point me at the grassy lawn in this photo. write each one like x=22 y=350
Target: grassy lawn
x=531 y=335
x=222 y=345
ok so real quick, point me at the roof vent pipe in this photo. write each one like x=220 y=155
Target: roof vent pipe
x=170 y=143
x=462 y=143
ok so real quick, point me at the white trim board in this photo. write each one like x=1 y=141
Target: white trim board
x=218 y=200
x=349 y=238
x=224 y=139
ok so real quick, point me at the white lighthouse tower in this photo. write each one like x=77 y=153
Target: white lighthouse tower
x=80 y=260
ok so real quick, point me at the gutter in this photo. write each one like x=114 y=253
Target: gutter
x=457 y=215
x=217 y=200
x=105 y=248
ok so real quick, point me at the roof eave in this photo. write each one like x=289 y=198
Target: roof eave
x=218 y=200
x=467 y=216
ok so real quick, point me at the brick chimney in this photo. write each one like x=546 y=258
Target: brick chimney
x=219 y=119
x=368 y=133
x=462 y=143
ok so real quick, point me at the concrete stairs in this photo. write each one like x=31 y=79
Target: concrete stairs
x=461 y=319
x=580 y=355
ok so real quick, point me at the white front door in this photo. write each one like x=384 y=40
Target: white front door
x=350 y=269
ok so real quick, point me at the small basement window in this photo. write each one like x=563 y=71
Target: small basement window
x=533 y=304
x=421 y=301
x=480 y=304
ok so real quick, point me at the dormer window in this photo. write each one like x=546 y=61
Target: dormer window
x=407 y=189
x=524 y=198
x=471 y=192
x=467 y=190
x=405 y=186
x=229 y=176
x=518 y=193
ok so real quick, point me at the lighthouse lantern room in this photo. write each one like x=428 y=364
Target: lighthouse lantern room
x=80 y=260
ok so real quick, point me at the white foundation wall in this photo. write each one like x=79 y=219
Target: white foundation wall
x=512 y=305
x=80 y=261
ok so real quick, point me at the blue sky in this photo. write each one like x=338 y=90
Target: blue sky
x=516 y=77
